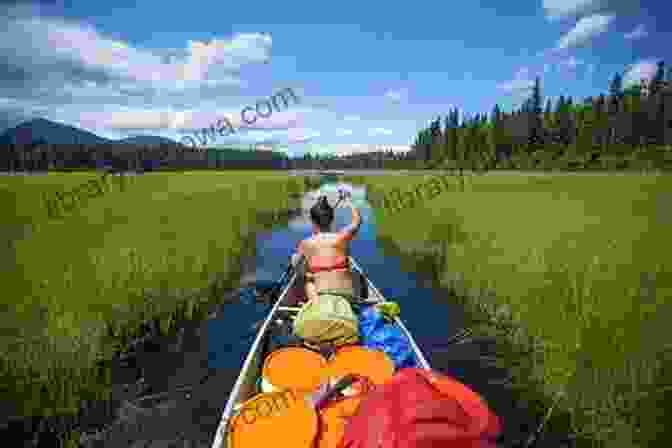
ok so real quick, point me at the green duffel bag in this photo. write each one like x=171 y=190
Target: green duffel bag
x=327 y=321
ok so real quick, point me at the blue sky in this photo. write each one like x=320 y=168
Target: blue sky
x=368 y=74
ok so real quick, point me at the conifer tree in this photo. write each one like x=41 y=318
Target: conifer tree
x=616 y=86
x=658 y=78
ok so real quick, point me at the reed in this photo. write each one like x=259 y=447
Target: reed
x=578 y=263
x=80 y=289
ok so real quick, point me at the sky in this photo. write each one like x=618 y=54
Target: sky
x=368 y=75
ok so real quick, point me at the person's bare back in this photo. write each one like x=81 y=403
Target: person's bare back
x=327 y=253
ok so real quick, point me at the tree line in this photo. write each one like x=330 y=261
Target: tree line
x=41 y=156
x=622 y=128
x=381 y=159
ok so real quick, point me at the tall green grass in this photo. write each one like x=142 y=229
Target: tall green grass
x=76 y=290
x=580 y=263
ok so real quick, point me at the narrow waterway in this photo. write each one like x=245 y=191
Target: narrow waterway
x=192 y=375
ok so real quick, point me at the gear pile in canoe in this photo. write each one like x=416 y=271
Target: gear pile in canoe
x=346 y=374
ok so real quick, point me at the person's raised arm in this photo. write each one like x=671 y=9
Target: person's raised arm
x=350 y=231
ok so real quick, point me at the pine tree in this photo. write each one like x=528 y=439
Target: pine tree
x=454 y=143
x=435 y=140
x=446 y=134
x=601 y=121
x=564 y=120
x=633 y=90
x=534 y=112
x=659 y=77
x=548 y=116
x=490 y=138
x=616 y=86
x=613 y=106
x=536 y=97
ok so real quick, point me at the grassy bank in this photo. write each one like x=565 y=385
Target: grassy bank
x=580 y=263
x=75 y=290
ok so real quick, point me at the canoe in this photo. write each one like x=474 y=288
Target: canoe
x=245 y=386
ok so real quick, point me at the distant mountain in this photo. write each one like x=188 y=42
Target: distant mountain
x=148 y=140
x=50 y=132
x=54 y=133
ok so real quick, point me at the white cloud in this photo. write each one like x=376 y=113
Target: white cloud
x=397 y=96
x=585 y=29
x=557 y=9
x=643 y=69
x=75 y=73
x=59 y=44
x=379 y=131
x=562 y=8
x=103 y=83
x=158 y=119
x=343 y=132
x=638 y=33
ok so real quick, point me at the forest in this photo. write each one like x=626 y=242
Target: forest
x=625 y=128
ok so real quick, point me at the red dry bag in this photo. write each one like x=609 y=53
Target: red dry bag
x=418 y=408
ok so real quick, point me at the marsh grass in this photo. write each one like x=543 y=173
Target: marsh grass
x=77 y=291
x=581 y=266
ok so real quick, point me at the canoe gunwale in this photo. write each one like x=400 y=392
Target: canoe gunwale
x=418 y=353
x=228 y=409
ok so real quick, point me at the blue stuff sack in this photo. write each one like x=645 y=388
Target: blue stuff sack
x=377 y=333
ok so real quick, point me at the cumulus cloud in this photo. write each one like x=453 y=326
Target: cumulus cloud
x=183 y=120
x=352 y=118
x=563 y=8
x=343 y=132
x=77 y=74
x=585 y=30
x=71 y=48
x=557 y=9
x=643 y=69
x=638 y=33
